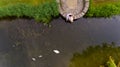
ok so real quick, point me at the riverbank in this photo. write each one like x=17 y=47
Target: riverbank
x=40 y=10
x=103 y=8
x=45 y=10
x=96 y=56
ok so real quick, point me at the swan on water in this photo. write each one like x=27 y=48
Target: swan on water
x=33 y=59
x=56 y=51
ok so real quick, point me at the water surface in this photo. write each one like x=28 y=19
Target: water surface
x=23 y=39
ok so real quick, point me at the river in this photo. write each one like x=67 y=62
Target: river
x=23 y=39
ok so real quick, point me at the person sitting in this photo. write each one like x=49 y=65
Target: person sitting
x=69 y=17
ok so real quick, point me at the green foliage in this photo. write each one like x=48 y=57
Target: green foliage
x=104 y=10
x=94 y=56
x=43 y=13
x=111 y=63
x=30 y=2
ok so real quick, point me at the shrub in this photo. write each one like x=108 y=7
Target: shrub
x=104 y=10
x=42 y=13
x=95 y=56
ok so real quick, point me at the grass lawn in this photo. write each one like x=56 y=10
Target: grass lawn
x=103 y=8
x=31 y=2
x=103 y=2
x=96 y=56
x=40 y=10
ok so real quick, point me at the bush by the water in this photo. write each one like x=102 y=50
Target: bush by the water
x=96 y=56
x=103 y=8
x=41 y=12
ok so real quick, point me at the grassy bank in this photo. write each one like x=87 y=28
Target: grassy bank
x=96 y=56
x=103 y=8
x=45 y=10
x=40 y=10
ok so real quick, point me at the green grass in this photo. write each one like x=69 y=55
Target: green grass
x=103 y=8
x=45 y=10
x=40 y=10
x=96 y=56
x=30 y=2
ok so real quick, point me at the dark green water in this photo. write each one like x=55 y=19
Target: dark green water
x=22 y=39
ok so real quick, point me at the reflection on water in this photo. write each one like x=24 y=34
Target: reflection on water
x=21 y=40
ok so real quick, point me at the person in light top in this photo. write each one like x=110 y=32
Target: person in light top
x=69 y=17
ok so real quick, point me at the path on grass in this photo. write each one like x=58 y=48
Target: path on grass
x=77 y=7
